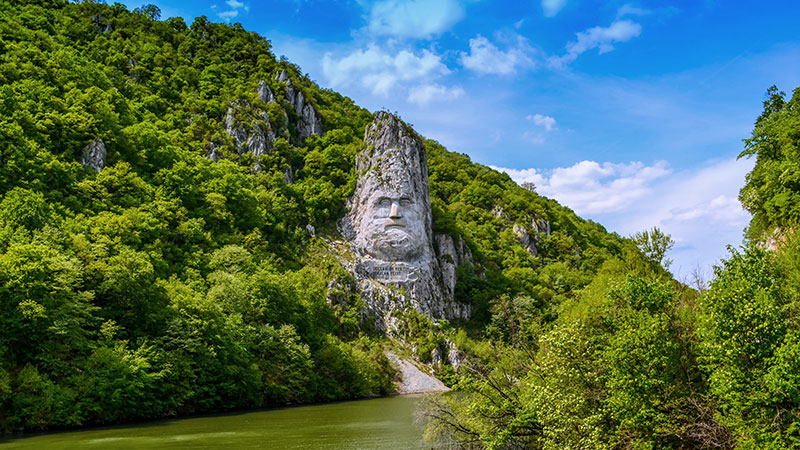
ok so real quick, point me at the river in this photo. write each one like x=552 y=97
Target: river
x=382 y=423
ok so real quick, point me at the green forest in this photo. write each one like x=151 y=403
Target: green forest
x=172 y=283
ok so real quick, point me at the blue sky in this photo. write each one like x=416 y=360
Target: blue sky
x=630 y=112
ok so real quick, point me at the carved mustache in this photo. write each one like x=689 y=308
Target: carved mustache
x=390 y=222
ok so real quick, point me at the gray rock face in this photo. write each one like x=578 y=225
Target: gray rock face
x=102 y=24
x=413 y=380
x=454 y=355
x=389 y=225
x=774 y=240
x=264 y=92
x=309 y=122
x=213 y=153
x=94 y=156
x=528 y=240
x=282 y=76
x=257 y=141
x=452 y=254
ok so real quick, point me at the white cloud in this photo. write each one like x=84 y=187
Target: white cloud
x=426 y=93
x=717 y=209
x=414 y=18
x=697 y=207
x=235 y=6
x=630 y=10
x=547 y=122
x=552 y=7
x=484 y=57
x=601 y=38
x=589 y=187
x=228 y=15
x=380 y=71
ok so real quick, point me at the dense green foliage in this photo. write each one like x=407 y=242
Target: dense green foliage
x=482 y=206
x=167 y=283
x=637 y=360
x=772 y=191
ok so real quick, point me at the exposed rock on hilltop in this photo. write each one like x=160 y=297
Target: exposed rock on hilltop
x=257 y=141
x=249 y=124
x=309 y=120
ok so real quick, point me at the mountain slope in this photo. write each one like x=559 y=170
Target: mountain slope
x=163 y=215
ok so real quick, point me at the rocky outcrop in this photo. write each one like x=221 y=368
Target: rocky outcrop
x=529 y=240
x=451 y=254
x=213 y=152
x=450 y=355
x=264 y=92
x=102 y=24
x=255 y=139
x=309 y=121
x=389 y=229
x=773 y=241
x=454 y=356
x=94 y=156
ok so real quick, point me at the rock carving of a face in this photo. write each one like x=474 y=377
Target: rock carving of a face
x=392 y=225
x=391 y=214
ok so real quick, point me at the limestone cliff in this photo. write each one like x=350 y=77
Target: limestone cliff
x=389 y=229
x=255 y=137
x=94 y=156
x=250 y=128
x=309 y=121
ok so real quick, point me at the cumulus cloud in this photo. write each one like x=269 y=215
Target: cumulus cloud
x=427 y=93
x=698 y=207
x=601 y=38
x=552 y=7
x=630 y=10
x=414 y=18
x=484 y=57
x=589 y=187
x=235 y=6
x=381 y=71
x=547 y=122
x=228 y=15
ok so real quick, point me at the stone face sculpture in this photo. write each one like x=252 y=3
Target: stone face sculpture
x=391 y=214
x=389 y=224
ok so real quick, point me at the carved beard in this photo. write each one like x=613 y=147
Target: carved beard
x=395 y=244
x=391 y=239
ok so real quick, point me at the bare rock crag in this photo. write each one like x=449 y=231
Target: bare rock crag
x=94 y=155
x=309 y=122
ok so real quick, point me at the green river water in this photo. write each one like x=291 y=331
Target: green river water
x=382 y=423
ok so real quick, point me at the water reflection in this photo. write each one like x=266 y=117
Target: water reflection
x=384 y=423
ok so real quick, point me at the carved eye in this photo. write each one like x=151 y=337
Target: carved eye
x=405 y=202
x=385 y=202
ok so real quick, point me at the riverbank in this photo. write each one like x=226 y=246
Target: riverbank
x=413 y=380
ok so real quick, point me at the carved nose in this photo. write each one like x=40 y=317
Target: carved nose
x=394 y=213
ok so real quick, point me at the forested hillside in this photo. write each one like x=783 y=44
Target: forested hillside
x=184 y=274
x=636 y=360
